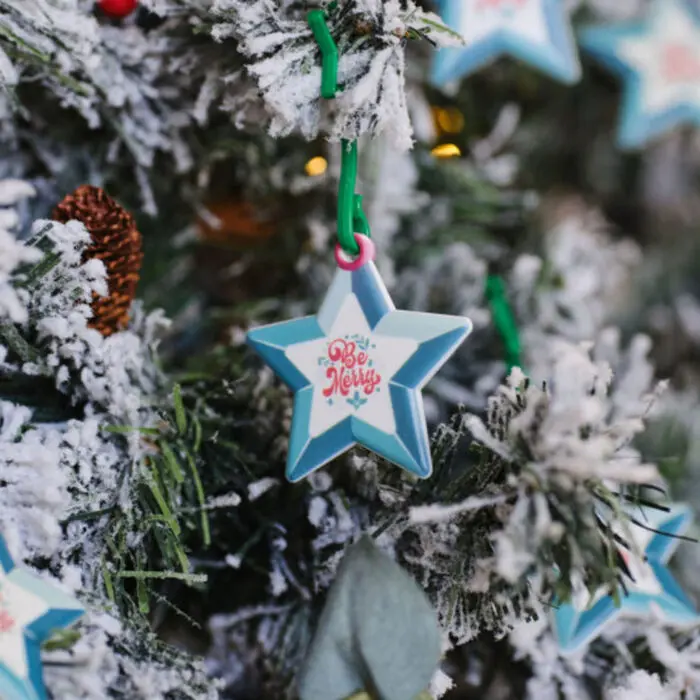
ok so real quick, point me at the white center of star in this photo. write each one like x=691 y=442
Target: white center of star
x=350 y=371
x=18 y=608
x=668 y=58
x=526 y=18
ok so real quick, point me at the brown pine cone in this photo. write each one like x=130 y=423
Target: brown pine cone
x=117 y=242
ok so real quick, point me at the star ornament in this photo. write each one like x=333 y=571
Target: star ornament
x=652 y=592
x=659 y=62
x=357 y=369
x=30 y=610
x=537 y=32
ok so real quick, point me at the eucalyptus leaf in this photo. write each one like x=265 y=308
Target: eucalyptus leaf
x=378 y=633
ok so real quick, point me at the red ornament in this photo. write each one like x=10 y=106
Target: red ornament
x=117 y=8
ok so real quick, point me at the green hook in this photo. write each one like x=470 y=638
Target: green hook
x=329 y=53
x=503 y=319
x=351 y=217
x=360 y=223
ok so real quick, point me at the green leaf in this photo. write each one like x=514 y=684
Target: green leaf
x=378 y=633
x=206 y=532
x=142 y=595
x=197 y=434
x=61 y=639
x=172 y=462
x=16 y=342
x=191 y=579
x=180 y=417
x=163 y=504
x=442 y=28
x=125 y=429
x=42 y=268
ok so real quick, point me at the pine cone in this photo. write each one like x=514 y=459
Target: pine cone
x=117 y=242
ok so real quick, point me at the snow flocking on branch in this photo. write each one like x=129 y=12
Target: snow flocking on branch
x=52 y=471
x=114 y=78
x=283 y=58
x=12 y=252
x=543 y=444
x=565 y=293
x=564 y=436
x=607 y=668
x=642 y=686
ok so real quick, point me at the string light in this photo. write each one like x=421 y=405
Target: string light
x=446 y=150
x=316 y=166
x=450 y=120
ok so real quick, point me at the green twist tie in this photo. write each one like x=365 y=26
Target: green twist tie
x=351 y=217
x=503 y=319
x=329 y=53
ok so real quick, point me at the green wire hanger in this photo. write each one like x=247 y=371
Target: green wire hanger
x=504 y=319
x=351 y=217
x=329 y=53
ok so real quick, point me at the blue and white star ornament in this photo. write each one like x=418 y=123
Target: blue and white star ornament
x=357 y=369
x=652 y=591
x=659 y=61
x=537 y=32
x=30 y=610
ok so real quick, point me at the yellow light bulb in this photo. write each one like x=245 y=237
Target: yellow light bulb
x=446 y=150
x=450 y=120
x=316 y=166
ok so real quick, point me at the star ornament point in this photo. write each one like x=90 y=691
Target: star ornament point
x=537 y=32
x=357 y=369
x=652 y=591
x=30 y=610
x=658 y=59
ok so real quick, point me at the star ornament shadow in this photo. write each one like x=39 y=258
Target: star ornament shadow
x=357 y=369
x=653 y=593
x=30 y=610
x=537 y=32
x=658 y=60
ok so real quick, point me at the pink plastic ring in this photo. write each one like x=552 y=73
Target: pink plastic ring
x=367 y=252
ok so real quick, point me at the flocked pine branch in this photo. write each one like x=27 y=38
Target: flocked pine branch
x=525 y=520
x=12 y=253
x=102 y=497
x=283 y=58
x=58 y=58
x=631 y=659
x=562 y=293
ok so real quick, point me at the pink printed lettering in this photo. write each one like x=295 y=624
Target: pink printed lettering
x=349 y=370
x=7 y=622
x=680 y=64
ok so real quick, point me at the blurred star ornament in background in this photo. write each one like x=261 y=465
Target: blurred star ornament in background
x=117 y=242
x=30 y=610
x=117 y=9
x=537 y=32
x=357 y=369
x=659 y=61
x=651 y=590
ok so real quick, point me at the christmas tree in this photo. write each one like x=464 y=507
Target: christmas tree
x=179 y=177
